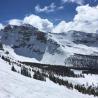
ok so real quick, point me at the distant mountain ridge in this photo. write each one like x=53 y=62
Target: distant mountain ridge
x=51 y=48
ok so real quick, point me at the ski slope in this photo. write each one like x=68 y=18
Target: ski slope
x=14 y=85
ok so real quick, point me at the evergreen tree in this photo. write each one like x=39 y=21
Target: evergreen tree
x=13 y=69
x=25 y=72
x=37 y=75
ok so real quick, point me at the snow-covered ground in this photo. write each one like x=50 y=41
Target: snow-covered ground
x=67 y=44
x=14 y=85
x=17 y=57
x=88 y=80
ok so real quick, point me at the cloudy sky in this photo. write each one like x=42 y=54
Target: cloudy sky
x=51 y=15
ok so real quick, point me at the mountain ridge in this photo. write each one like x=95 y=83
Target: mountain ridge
x=49 y=48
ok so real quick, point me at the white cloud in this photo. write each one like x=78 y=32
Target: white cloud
x=15 y=22
x=46 y=9
x=38 y=22
x=86 y=13
x=80 y=2
x=85 y=20
x=1 y=26
x=60 y=27
x=38 y=9
x=34 y=20
x=51 y=8
x=60 y=7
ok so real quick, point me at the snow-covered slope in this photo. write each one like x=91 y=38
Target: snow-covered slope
x=14 y=85
x=56 y=49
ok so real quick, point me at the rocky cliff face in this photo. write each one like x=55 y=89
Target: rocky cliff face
x=70 y=48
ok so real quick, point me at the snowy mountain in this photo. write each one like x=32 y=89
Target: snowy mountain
x=50 y=48
x=27 y=56
x=14 y=85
